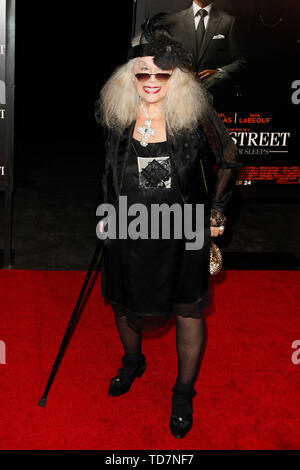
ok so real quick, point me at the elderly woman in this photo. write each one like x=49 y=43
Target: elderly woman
x=163 y=142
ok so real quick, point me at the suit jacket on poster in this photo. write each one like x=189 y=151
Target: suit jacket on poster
x=198 y=183
x=222 y=44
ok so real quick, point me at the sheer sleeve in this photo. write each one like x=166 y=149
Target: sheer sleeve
x=97 y=111
x=227 y=160
x=102 y=187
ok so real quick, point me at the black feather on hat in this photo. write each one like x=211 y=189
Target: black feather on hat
x=157 y=41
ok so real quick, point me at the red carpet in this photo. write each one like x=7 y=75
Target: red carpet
x=247 y=389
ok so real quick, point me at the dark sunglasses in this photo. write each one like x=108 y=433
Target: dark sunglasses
x=161 y=77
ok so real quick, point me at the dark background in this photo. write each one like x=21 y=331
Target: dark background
x=64 y=53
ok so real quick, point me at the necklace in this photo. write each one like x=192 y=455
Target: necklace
x=146 y=130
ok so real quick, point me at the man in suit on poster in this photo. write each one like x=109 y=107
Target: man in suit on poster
x=215 y=41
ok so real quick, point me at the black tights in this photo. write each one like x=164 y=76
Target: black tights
x=189 y=340
x=131 y=339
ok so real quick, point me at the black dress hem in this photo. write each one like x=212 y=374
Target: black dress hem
x=153 y=321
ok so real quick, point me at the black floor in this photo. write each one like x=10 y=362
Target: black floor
x=54 y=213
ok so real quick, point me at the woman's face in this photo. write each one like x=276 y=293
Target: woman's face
x=153 y=89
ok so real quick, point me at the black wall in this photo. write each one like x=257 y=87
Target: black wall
x=64 y=52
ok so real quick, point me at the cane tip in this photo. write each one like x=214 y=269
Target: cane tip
x=42 y=402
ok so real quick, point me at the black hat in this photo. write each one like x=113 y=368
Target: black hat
x=157 y=41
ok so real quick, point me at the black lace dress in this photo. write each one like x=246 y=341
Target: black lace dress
x=149 y=280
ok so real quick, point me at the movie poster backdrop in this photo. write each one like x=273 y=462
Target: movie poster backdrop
x=262 y=112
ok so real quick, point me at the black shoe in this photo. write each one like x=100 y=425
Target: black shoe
x=126 y=375
x=182 y=410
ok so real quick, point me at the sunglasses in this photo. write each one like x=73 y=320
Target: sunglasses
x=161 y=77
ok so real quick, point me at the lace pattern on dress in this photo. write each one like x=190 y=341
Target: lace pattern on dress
x=154 y=322
x=154 y=172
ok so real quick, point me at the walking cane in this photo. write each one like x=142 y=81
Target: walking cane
x=69 y=329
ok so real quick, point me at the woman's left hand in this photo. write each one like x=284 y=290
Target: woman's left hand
x=216 y=231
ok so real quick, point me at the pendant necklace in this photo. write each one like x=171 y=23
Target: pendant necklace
x=146 y=130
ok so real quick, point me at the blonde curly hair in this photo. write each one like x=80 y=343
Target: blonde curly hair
x=183 y=104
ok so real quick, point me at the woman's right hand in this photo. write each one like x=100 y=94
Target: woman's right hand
x=101 y=225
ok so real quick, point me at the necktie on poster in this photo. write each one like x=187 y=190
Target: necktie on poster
x=200 y=32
